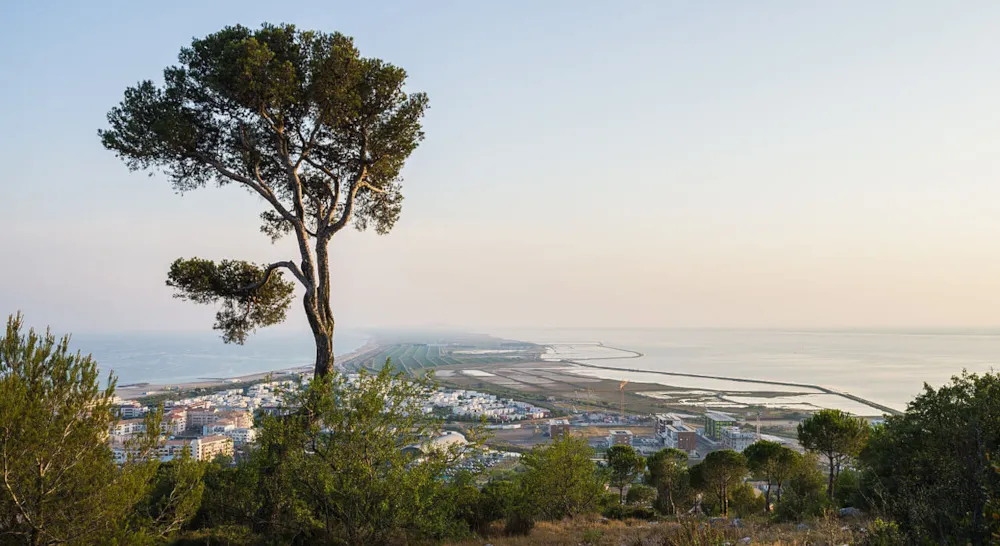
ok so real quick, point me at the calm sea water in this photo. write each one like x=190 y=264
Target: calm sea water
x=182 y=357
x=889 y=367
x=885 y=367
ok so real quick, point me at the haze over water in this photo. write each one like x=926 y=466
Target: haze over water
x=888 y=367
x=185 y=357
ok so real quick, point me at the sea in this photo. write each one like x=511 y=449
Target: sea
x=889 y=367
x=179 y=357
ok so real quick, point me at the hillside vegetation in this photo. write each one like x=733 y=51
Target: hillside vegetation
x=339 y=466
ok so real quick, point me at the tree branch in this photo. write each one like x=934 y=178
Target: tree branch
x=334 y=194
x=269 y=270
x=307 y=146
x=355 y=186
x=349 y=205
x=260 y=187
x=373 y=188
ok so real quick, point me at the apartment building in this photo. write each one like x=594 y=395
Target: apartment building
x=737 y=440
x=682 y=437
x=620 y=438
x=559 y=427
x=716 y=421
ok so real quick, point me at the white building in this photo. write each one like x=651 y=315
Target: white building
x=127 y=428
x=174 y=422
x=737 y=440
x=241 y=436
x=130 y=409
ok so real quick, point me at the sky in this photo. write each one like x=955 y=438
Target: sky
x=586 y=164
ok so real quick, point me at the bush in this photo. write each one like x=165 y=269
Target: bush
x=805 y=494
x=930 y=469
x=640 y=494
x=560 y=479
x=746 y=501
x=592 y=536
x=847 y=490
x=883 y=533
x=620 y=511
x=519 y=522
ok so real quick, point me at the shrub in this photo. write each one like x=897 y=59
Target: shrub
x=883 y=533
x=620 y=511
x=640 y=494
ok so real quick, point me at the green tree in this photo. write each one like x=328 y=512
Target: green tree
x=624 y=466
x=59 y=483
x=835 y=435
x=805 y=495
x=453 y=508
x=363 y=470
x=173 y=498
x=770 y=462
x=496 y=501
x=668 y=473
x=640 y=494
x=719 y=474
x=298 y=118
x=561 y=479
x=932 y=468
x=848 y=489
x=745 y=501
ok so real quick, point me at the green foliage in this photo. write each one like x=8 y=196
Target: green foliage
x=883 y=533
x=624 y=466
x=770 y=462
x=848 y=490
x=172 y=500
x=592 y=536
x=623 y=511
x=931 y=469
x=59 y=483
x=453 y=509
x=299 y=119
x=745 y=501
x=835 y=435
x=497 y=501
x=640 y=494
x=250 y=296
x=668 y=473
x=804 y=494
x=507 y=500
x=269 y=103
x=560 y=479
x=719 y=474
x=356 y=468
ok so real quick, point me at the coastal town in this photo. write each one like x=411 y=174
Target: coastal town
x=222 y=423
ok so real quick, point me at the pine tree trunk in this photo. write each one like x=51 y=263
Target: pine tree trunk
x=829 y=485
x=323 y=311
x=324 y=354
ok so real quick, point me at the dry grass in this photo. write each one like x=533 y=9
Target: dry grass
x=599 y=532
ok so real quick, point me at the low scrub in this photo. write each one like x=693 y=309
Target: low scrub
x=594 y=531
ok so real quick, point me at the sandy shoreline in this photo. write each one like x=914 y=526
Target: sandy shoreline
x=138 y=390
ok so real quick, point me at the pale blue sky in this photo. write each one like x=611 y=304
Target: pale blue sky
x=667 y=163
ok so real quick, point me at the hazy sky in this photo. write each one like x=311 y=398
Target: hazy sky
x=662 y=163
